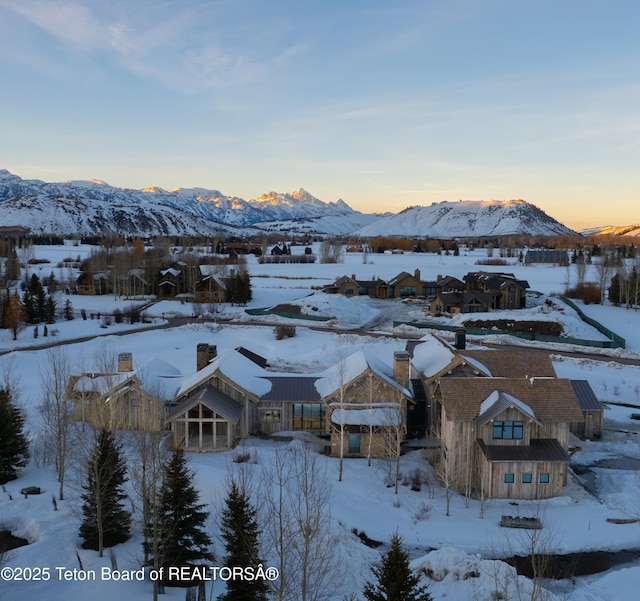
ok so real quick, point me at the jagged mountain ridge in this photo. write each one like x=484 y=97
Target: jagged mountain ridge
x=92 y=206
x=89 y=207
x=612 y=230
x=468 y=218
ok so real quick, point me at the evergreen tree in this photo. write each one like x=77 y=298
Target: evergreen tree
x=240 y=534
x=395 y=581
x=178 y=534
x=14 y=447
x=106 y=521
x=68 y=310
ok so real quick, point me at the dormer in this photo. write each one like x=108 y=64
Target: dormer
x=505 y=420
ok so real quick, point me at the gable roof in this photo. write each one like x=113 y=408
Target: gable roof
x=214 y=399
x=586 y=397
x=497 y=402
x=514 y=363
x=348 y=370
x=430 y=356
x=236 y=367
x=552 y=399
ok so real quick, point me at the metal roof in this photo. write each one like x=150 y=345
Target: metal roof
x=292 y=388
x=585 y=395
x=214 y=399
x=543 y=449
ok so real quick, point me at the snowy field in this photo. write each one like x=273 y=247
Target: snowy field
x=459 y=550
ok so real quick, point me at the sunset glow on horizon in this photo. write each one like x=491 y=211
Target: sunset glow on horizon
x=382 y=105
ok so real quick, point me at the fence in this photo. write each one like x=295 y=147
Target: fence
x=265 y=311
x=615 y=342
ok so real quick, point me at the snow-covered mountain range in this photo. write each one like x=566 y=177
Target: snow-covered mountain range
x=92 y=206
x=468 y=218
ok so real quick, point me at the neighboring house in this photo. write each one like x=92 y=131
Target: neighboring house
x=93 y=283
x=350 y=286
x=170 y=282
x=133 y=283
x=450 y=284
x=506 y=290
x=559 y=257
x=507 y=437
x=460 y=302
x=210 y=289
x=345 y=285
x=116 y=401
x=406 y=285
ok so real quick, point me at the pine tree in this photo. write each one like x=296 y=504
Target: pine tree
x=14 y=447
x=178 y=537
x=106 y=521
x=395 y=581
x=240 y=534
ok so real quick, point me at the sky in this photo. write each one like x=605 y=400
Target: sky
x=383 y=104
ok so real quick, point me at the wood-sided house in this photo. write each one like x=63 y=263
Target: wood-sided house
x=507 y=437
x=93 y=283
x=366 y=405
x=350 y=286
x=116 y=401
x=506 y=291
x=170 y=282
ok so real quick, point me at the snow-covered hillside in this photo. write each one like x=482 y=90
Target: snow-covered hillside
x=468 y=218
x=613 y=230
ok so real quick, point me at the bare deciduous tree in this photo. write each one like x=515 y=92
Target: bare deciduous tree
x=57 y=410
x=295 y=492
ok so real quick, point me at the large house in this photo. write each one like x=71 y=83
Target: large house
x=505 y=422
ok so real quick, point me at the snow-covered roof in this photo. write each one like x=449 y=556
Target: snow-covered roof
x=497 y=402
x=430 y=356
x=171 y=271
x=159 y=378
x=347 y=370
x=237 y=368
x=367 y=416
x=101 y=383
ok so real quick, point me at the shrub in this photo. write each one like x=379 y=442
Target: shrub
x=588 y=293
x=283 y=331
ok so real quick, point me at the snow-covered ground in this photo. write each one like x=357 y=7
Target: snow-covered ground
x=465 y=544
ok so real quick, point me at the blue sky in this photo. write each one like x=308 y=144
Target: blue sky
x=385 y=104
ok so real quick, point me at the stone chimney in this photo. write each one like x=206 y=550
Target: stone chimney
x=438 y=278
x=205 y=352
x=416 y=274
x=401 y=368
x=125 y=362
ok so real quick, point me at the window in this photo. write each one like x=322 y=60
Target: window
x=309 y=416
x=354 y=443
x=270 y=415
x=507 y=430
x=508 y=479
x=544 y=478
x=527 y=478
